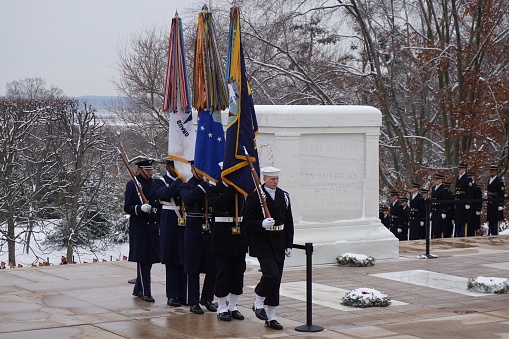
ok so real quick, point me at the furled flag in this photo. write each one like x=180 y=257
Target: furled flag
x=242 y=125
x=209 y=99
x=181 y=134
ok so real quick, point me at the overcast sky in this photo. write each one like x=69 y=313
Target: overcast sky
x=73 y=45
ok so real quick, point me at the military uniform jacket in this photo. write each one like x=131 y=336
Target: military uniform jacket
x=417 y=210
x=222 y=201
x=384 y=218
x=495 y=190
x=474 y=221
x=198 y=258
x=171 y=235
x=396 y=214
x=263 y=243
x=143 y=227
x=463 y=193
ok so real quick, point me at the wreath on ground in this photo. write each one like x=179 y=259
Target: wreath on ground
x=356 y=260
x=488 y=285
x=365 y=297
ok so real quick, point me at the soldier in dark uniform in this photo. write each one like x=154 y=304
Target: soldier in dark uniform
x=172 y=235
x=405 y=217
x=396 y=213
x=198 y=258
x=383 y=214
x=450 y=207
x=424 y=192
x=269 y=240
x=474 y=220
x=495 y=210
x=143 y=228
x=438 y=209
x=463 y=192
x=229 y=244
x=417 y=215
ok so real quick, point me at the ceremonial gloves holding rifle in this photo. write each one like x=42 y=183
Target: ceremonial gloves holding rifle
x=268 y=223
x=146 y=208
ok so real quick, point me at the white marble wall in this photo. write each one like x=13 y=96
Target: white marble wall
x=329 y=161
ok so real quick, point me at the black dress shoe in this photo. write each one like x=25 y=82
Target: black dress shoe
x=209 y=305
x=132 y=281
x=183 y=301
x=137 y=294
x=173 y=302
x=196 y=309
x=147 y=298
x=224 y=316
x=237 y=315
x=260 y=313
x=273 y=324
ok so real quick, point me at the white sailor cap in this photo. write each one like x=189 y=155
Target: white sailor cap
x=270 y=171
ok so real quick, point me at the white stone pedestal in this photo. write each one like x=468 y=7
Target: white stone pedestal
x=329 y=161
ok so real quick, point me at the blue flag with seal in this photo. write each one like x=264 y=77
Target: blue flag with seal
x=242 y=125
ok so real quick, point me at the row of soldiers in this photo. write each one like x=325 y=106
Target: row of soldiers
x=199 y=227
x=452 y=212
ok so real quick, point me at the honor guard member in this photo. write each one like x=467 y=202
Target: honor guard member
x=396 y=213
x=229 y=245
x=495 y=210
x=143 y=228
x=171 y=227
x=438 y=208
x=269 y=240
x=463 y=192
x=383 y=213
x=474 y=220
x=448 y=222
x=405 y=217
x=424 y=192
x=198 y=258
x=417 y=215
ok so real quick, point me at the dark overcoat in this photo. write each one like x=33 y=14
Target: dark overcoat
x=417 y=215
x=263 y=243
x=438 y=194
x=496 y=189
x=463 y=193
x=171 y=235
x=143 y=227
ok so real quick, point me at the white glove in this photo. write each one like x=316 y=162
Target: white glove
x=444 y=215
x=288 y=252
x=500 y=208
x=477 y=212
x=268 y=223
x=467 y=207
x=400 y=230
x=146 y=208
x=422 y=223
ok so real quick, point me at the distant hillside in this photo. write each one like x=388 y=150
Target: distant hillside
x=100 y=102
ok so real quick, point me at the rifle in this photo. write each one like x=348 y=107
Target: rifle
x=261 y=194
x=133 y=176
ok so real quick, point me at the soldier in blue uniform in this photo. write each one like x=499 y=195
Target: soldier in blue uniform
x=495 y=210
x=405 y=217
x=438 y=209
x=450 y=207
x=383 y=214
x=143 y=228
x=463 y=192
x=417 y=214
x=197 y=237
x=269 y=240
x=474 y=219
x=229 y=244
x=171 y=226
x=396 y=214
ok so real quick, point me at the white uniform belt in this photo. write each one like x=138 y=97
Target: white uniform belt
x=276 y=228
x=226 y=219
x=170 y=207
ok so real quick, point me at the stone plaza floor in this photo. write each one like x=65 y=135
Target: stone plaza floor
x=429 y=299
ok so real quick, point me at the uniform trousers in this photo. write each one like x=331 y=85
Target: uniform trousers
x=176 y=282
x=268 y=287
x=142 y=284
x=460 y=230
x=230 y=274
x=207 y=293
x=493 y=227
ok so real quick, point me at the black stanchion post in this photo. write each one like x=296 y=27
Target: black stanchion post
x=309 y=327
